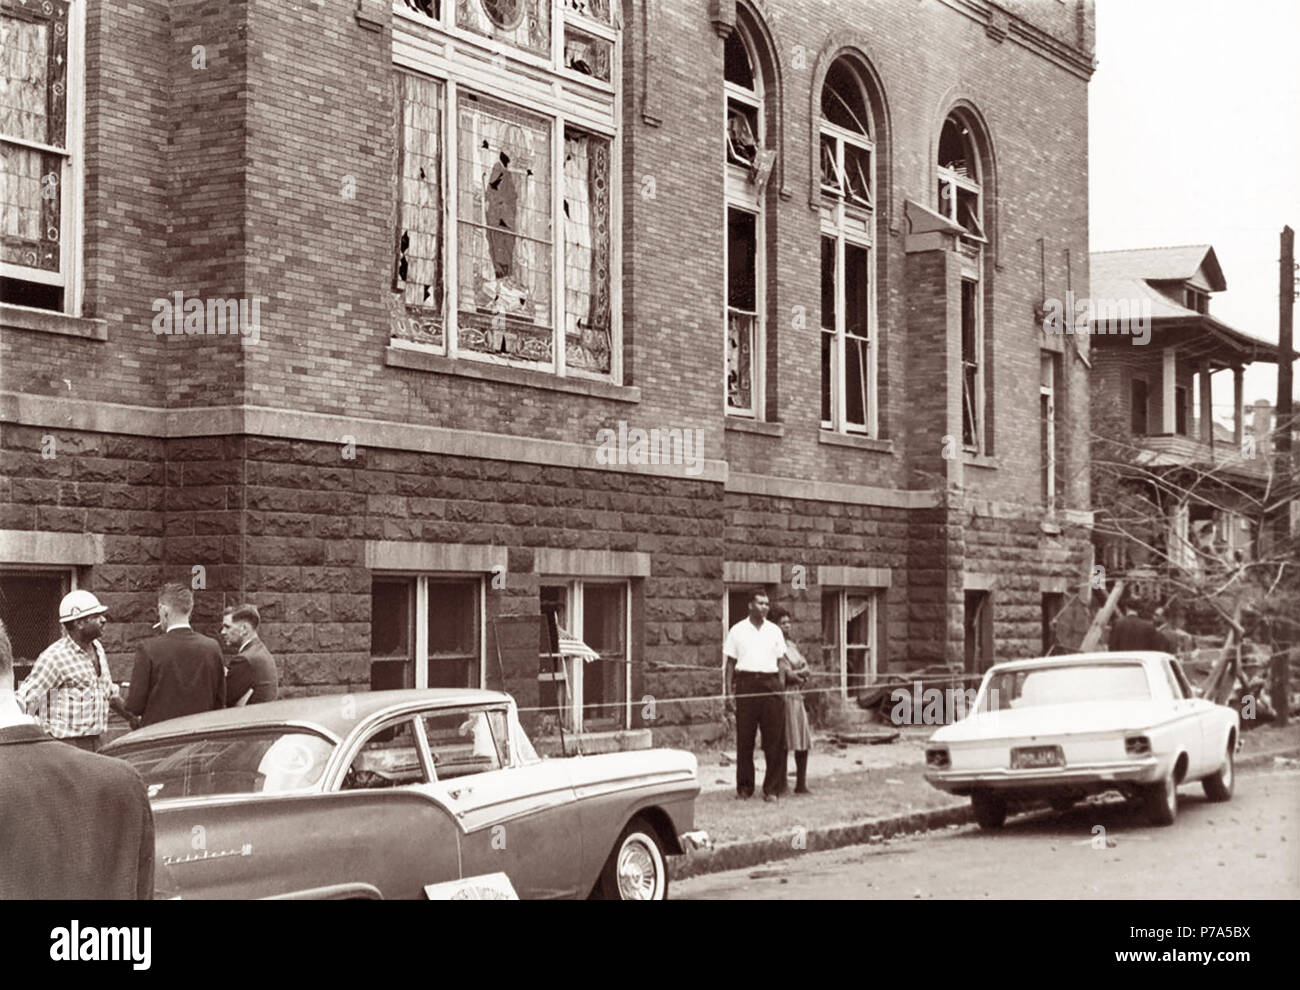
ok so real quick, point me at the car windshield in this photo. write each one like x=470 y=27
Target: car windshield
x=1034 y=686
x=268 y=761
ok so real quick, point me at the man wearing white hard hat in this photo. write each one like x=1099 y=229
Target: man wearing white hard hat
x=70 y=683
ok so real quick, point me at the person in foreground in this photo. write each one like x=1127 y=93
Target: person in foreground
x=74 y=825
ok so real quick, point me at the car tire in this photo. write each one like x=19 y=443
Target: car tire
x=990 y=810
x=636 y=869
x=1161 y=801
x=1218 y=786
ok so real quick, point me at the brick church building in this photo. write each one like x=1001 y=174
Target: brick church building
x=398 y=318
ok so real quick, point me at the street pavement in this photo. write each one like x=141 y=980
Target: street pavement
x=1246 y=848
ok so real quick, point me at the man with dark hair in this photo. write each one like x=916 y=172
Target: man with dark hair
x=70 y=684
x=751 y=680
x=179 y=672
x=74 y=825
x=251 y=675
x=1136 y=631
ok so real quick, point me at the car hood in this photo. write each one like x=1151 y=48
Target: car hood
x=1056 y=720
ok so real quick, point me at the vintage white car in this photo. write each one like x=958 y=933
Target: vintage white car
x=396 y=794
x=1063 y=727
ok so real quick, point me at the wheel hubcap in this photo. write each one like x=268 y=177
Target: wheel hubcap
x=637 y=873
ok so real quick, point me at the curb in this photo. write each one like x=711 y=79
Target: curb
x=753 y=852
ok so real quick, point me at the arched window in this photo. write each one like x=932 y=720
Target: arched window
x=961 y=199
x=747 y=164
x=848 y=237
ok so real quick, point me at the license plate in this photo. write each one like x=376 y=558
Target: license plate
x=1030 y=757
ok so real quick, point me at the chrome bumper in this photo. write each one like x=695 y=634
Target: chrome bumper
x=1128 y=771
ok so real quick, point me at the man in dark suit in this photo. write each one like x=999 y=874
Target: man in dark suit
x=1136 y=631
x=75 y=825
x=251 y=676
x=180 y=672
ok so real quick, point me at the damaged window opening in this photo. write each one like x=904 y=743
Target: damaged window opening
x=37 y=135
x=503 y=234
x=848 y=338
x=970 y=364
x=418 y=281
x=429 y=8
x=744 y=126
x=742 y=307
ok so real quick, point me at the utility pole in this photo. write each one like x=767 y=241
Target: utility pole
x=1282 y=450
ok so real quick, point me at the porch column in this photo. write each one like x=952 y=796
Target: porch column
x=1207 y=408
x=1168 y=420
x=1238 y=405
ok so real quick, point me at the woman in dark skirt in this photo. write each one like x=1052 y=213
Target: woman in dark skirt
x=798 y=733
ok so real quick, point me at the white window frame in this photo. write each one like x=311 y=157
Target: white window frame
x=573 y=667
x=848 y=222
x=841 y=658
x=463 y=60
x=420 y=616
x=1047 y=390
x=744 y=194
x=71 y=181
x=971 y=274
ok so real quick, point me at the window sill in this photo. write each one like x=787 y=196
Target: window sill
x=47 y=321
x=980 y=461
x=403 y=357
x=740 y=424
x=1050 y=525
x=855 y=441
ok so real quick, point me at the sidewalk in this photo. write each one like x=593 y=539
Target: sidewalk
x=860 y=793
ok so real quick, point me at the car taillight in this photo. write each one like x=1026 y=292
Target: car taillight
x=1137 y=746
x=937 y=758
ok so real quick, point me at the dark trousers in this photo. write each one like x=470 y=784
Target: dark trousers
x=83 y=742
x=760 y=706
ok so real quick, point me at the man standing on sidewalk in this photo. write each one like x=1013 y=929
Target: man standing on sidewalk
x=751 y=658
x=71 y=676
x=252 y=670
x=179 y=672
x=73 y=825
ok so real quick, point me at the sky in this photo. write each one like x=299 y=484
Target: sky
x=1194 y=138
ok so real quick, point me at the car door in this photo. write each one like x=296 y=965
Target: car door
x=1210 y=717
x=389 y=766
x=517 y=816
x=1191 y=720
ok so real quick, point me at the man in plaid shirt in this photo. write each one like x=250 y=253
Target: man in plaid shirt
x=70 y=688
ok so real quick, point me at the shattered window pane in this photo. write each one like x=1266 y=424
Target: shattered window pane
x=429 y=8
x=742 y=125
x=857 y=173
x=740 y=360
x=33 y=109
x=522 y=23
x=597 y=10
x=587 y=54
x=504 y=237
x=419 y=269
x=832 y=179
x=587 y=329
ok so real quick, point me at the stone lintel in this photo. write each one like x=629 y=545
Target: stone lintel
x=591 y=563
x=833 y=575
x=395 y=555
x=21 y=546
x=750 y=572
x=979 y=582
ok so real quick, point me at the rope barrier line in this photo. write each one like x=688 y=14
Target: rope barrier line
x=654 y=699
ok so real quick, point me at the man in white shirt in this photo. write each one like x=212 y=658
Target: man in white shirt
x=751 y=667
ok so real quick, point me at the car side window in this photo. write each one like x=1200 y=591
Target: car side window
x=389 y=758
x=1174 y=686
x=466 y=742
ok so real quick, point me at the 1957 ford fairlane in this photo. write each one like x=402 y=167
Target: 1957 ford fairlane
x=387 y=793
